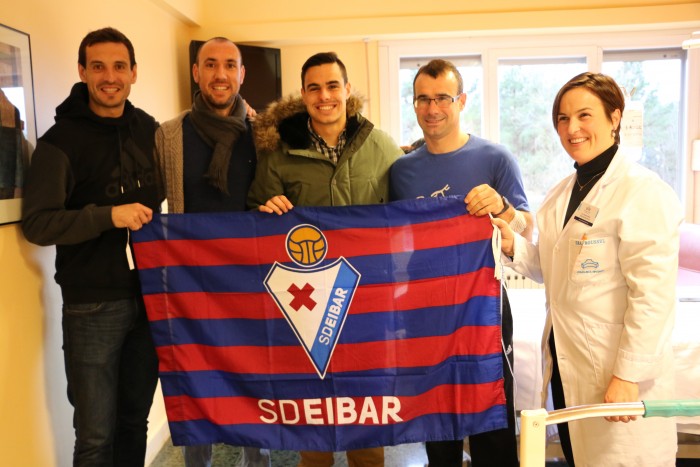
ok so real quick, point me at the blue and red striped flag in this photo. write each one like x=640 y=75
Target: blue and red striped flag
x=325 y=328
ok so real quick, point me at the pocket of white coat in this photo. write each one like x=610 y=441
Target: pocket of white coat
x=591 y=260
x=602 y=340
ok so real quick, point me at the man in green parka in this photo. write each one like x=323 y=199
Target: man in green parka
x=317 y=150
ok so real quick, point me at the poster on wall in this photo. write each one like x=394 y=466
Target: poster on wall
x=17 y=119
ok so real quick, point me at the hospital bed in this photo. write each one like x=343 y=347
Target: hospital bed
x=528 y=307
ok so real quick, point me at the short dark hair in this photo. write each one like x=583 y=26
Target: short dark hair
x=105 y=35
x=323 y=58
x=216 y=39
x=437 y=67
x=603 y=87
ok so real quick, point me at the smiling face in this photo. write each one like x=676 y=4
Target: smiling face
x=325 y=94
x=585 y=129
x=219 y=72
x=109 y=75
x=438 y=123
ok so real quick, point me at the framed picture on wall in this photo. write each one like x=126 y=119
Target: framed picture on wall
x=17 y=119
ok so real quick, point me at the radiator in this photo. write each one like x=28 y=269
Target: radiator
x=514 y=280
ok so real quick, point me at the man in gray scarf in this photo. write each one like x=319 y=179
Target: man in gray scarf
x=208 y=160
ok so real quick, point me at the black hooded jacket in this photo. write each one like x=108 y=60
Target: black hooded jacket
x=82 y=166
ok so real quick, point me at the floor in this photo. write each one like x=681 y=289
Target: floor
x=407 y=455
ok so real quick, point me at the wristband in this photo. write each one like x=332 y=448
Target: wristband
x=518 y=223
x=506 y=205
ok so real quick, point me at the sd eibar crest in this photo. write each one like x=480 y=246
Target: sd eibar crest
x=314 y=298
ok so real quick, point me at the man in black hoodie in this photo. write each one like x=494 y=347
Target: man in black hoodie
x=91 y=181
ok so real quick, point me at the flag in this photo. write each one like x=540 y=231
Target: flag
x=325 y=329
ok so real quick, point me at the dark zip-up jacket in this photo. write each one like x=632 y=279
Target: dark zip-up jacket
x=82 y=167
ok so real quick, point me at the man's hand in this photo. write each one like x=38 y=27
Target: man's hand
x=132 y=216
x=249 y=111
x=483 y=200
x=620 y=390
x=276 y=205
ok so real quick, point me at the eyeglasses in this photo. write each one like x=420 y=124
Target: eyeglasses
x=442 y=101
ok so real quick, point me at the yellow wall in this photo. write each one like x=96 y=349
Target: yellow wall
x=35 y=418
x=277 y=20
x=23 y=391
x=35 y=424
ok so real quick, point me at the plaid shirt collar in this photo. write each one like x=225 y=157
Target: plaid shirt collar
x=332 y=153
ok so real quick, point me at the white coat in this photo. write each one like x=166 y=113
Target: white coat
x=611 y=305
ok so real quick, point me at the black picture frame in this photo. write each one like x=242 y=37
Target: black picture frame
x=17 y=119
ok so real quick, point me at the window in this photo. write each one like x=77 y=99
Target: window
x=652 y=121
x=511 y=82
x=526 y=90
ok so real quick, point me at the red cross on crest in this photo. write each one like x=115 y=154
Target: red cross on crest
x=302 y=297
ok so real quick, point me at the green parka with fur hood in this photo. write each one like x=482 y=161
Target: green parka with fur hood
x=290 y=165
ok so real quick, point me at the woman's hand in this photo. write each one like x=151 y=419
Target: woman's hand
x=620 y=390
x=507 y=236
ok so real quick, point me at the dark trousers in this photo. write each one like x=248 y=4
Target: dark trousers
x=112 y=372
x=559 y=403
x=498 y=448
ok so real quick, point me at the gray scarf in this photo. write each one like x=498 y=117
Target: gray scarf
x=220 y=133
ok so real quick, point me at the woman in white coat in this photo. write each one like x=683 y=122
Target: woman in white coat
x=608 y=255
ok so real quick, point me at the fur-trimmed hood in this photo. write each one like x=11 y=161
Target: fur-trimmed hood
x=286 y=119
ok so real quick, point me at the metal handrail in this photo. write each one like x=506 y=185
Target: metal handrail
x=533 y=423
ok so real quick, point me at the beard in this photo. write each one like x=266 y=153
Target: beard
x=218 y=105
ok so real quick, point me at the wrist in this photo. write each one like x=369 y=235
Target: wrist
x=506 y=206
x=509 y=251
